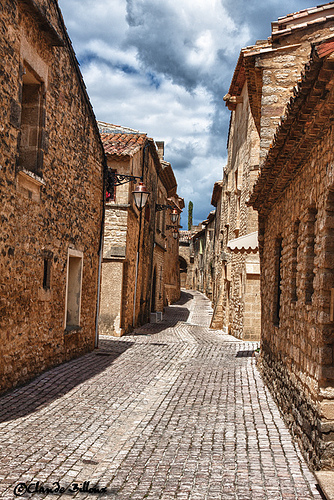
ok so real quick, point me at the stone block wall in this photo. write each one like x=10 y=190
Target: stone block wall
x=110 y=320
x=48 y=215
x=297 y=343
x=237 y=298
x=281 y=70
x=172 y=270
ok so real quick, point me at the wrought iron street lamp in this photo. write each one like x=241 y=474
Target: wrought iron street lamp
x=140 y=195
x=174 y=216
x=114 y=179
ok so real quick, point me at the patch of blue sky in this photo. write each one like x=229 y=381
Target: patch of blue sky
x=154 y=81
x=88 y=58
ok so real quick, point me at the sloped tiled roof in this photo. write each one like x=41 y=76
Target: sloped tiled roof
x=122 y=144
x=110 y=128
x=306 y=17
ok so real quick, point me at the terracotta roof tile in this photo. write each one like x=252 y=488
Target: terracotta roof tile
x=110 y=128
x=303 y=18
x=122 y=144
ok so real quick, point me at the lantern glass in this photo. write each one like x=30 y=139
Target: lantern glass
x=175 y=234
x=140 y=195
x=174 y=216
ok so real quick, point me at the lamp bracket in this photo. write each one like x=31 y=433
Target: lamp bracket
x=168 y=226
x=118 y=179
x=159 y=208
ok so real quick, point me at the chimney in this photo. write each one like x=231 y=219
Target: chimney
x=161 y=149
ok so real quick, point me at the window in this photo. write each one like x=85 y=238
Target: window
x=240 y=286
x=238 y=213
x=73 y=289
x=111 y=188
x=32 y=122
x=309 y=254
x=294 y=261
x=278 y=280
x=46 y=274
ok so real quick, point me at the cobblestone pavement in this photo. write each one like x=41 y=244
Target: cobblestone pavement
x=174 y=411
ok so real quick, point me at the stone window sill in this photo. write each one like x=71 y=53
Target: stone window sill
x=29 y=185
x=72 y=328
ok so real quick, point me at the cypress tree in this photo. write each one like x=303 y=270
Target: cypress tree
x=190 y=214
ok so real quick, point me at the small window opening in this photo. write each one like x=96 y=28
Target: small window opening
x=46 y=274
x=310 y=254
x=278 y=280
x=111 y=188
x=294 y=262
x=30 y=152
x=74 y=286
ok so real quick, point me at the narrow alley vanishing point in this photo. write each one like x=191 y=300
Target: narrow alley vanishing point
x=173 y=411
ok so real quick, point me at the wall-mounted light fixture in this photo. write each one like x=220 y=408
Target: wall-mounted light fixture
x=159 y=207
x=114 y=179
x=140 y=195
x=174 y=216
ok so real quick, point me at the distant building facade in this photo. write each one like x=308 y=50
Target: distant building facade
x=261 y=87
x=140 y=272
x=186 y=260
x=52 y=196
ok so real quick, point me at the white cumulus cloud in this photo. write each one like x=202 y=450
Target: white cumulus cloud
x=164 y=67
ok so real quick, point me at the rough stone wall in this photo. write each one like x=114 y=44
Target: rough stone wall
x=111 y=298
x=186 y=252
x=236 y=296
x=160 y=248
x=172 y=270
x=123 y=222
x=281 y=70
x=127 y=231
x=158 y=267
x=199 y=262
x=209 y=258
x=111 y=316
x=44 y=216
x=297 y=344
x=145 y=269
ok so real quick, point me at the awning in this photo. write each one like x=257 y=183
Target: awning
x=247 y=243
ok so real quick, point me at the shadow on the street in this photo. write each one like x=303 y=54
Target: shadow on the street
x=170 y=319
x=58 y=381
x=185 y=297
x=172 y=315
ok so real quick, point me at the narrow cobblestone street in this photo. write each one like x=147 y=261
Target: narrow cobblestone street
x=174 y=411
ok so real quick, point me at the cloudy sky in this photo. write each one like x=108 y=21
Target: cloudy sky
x=163 y=66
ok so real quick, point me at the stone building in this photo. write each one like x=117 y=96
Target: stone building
x=52 y=195
x=166 y=270
x=186 y=260
x=294 y=196
x=202 y=248
x=139 y=272
x=262 y=85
